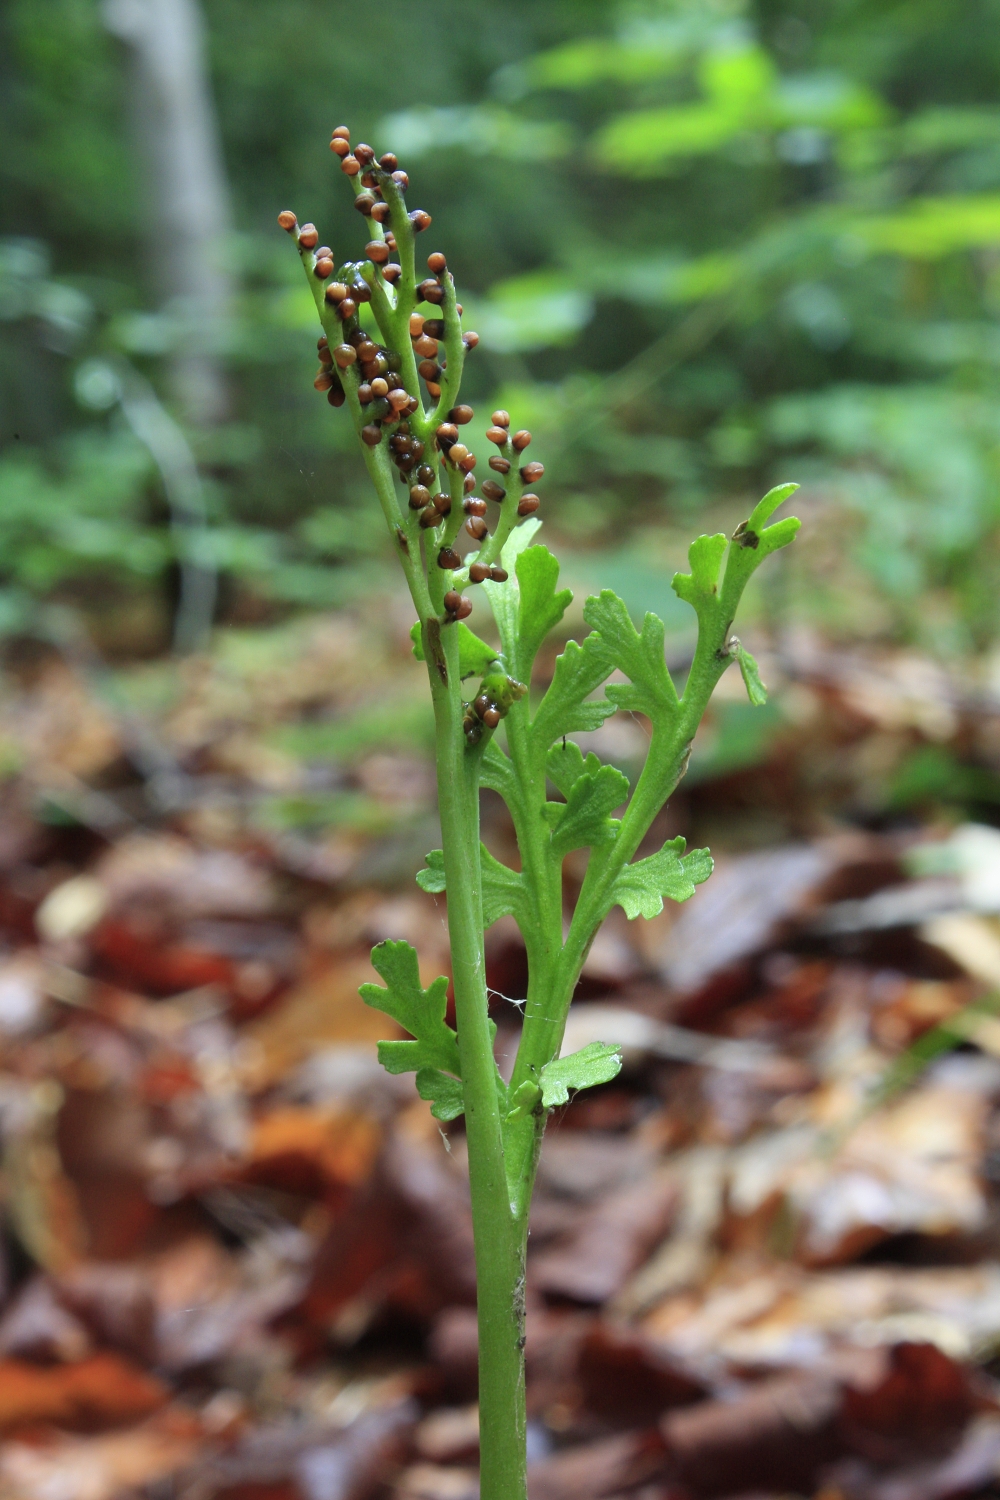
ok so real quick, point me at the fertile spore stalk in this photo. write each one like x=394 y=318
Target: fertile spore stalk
x=376 y=352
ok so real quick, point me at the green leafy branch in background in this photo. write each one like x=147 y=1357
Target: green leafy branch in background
x=392 y=350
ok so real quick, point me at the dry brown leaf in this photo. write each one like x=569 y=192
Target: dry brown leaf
x=102 y=1391
x=325 y=1008
x=99 y=1468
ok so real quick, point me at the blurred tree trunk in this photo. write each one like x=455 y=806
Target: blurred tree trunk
x=183 y=186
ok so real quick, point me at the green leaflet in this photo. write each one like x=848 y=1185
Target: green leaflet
x=564 y=765
x=527 y=611
x=497 y=773
x=701 y=585
x=431 y=878
x=419 y=1011
x=444 y=1092
x=524 y=1101
x=541 y=607
x=579 y=670
x=475 y=657
x=503 y=888
x=640 y=888
x=650 y=690
x=756 y=691
x=751 y=542
x=597 y=1063
x=504 y=598
x=583 y=820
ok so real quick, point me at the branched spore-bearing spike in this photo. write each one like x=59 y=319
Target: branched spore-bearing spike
x=363 y=365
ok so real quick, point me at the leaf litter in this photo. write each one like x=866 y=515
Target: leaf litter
x=237 y=1257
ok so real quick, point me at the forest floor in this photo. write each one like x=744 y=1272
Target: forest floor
x=237 y=1255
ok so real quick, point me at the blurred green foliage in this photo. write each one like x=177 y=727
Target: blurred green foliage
x=708 y=244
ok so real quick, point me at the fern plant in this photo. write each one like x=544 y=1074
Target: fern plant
x=392 y=349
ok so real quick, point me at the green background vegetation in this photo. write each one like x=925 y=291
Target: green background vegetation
x=708 y=246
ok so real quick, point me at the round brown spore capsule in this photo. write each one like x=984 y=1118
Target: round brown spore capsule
x=371 y=434
x=497 y=435
x=480 y=705
x=369 y=179
x=325 y=357
x=477 y=528
x=499 y=465
x=473 y=506
x=390 y=240
x=452 y=600
x=336 y=291
x=527 y=505
x=379 y=386
x=442 y=503
x=429 y=291
x=433 y=389
x=458 y=452
x=468 y=484
x=323 y=268
x=364 y=203
x=425 y=346
x=491 y=718
x=434 y=328
x=401 y=180
x=436 y=262
x=344 y=355
x=478 y=572
x=429 y=517
x=464 y=610
x=532 y=471
x=341 y=132
x=521 y=439
x=287 y=219
x=461 y=415
x=492 y=490
x=498 y=574
x=470 y=339
x=323 y=381
x=468 y=463
x=448 y=558
x=388 y=162
x=308 y=236
x=340 y=147
x=364 y=393
x=416 y=325
x=420 y=496
x=420 y=219
x=501 y=418
x=351 y=166
x=361 y=291
x=377 y=251
x=336 y=396
x=364 y=153
x=428 y=369
x=425 y=474
x=391 y=274
x=381 y=213
x=366 y=349
x=446 y=434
